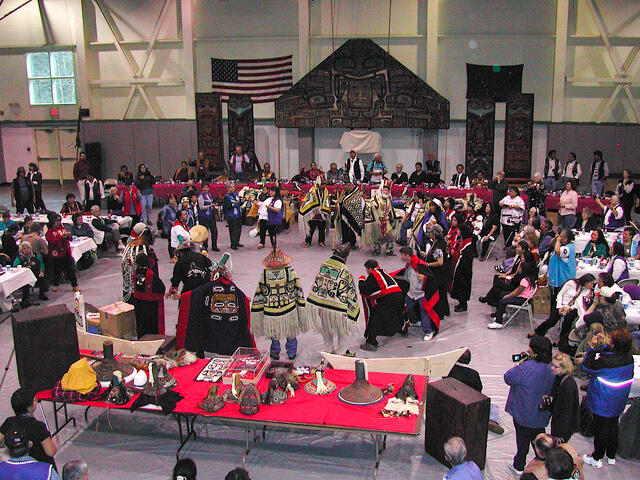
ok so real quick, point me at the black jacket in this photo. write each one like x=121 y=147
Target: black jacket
x=192 y=269
x=466 y=375
x=418 y=178
x=564 y=412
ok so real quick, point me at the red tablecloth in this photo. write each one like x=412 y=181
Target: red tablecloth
x=553 y=203
x=163 y=190
x=304 y=408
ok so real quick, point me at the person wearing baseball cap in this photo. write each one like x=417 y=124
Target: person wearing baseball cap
x=20 y=466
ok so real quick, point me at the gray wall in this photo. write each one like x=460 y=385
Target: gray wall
x=161 y=144
x=620 y=144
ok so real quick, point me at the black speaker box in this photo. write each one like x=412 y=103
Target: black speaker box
x=456 y=410
x=93 y=152
x=46 y=345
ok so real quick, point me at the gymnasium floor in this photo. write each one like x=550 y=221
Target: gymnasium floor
x=119 y=445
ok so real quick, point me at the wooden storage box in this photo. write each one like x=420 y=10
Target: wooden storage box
x=456 y=410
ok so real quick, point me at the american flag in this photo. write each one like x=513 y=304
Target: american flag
x=264 y=79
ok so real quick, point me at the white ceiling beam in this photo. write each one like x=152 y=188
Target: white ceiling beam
x=128 y=61
x=603 y=80
x=132 y=92
x=303 y=37
x=166 y=44
x=432 y=43
x=604 y=106
x=46 y=25
x=154 y=36
x=151 y=106
x=632 y=101
x=596 y=41
x=560 y=61
x=151 y=82
x=188 y=64
x=592 y=6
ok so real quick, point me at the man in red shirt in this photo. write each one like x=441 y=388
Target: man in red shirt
x=80 y=172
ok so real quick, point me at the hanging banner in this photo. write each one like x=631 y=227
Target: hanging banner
x=241 y=124
x=209 y=128
x=518 y=136
x=481 y=121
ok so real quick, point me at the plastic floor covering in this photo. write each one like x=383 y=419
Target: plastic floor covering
x=141 y=446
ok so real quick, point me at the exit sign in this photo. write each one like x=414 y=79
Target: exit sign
x=54 y=112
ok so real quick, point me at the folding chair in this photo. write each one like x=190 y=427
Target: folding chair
x=629 y=282
x=526 y=306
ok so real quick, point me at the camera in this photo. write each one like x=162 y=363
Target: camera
x=546 y=404
x=519 y=356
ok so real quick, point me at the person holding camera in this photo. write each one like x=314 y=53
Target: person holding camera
x=530 y=380
x=563 y=402
x=610 y=368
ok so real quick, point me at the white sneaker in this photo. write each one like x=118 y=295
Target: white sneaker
x=428 y=337
x=610 y=461
x=513 y=469
x=495 y=326
x=592 y=461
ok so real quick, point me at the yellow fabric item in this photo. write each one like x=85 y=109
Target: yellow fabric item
x=198 y=233
x=80 y=377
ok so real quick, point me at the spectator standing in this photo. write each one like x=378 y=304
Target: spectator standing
x=240 y=164
x=599 y=173
x=626 y=191
x=270 y=213
x=530 y=380
x=563 y=401
x=354 y=167
x=93 y=192
x=168 y=216
x=132 y=202
x=511 y=214
x=207 y=217
x=125 y=177
x=552 y=170
x=22 y=192
x=59 y=259
x=568 y=206
x=38 y=245
x=80 y=172
x=377 y=169
x=35 y=177
x=144 y=182
x=610 y=368
x=233 y=213
x=499 y=186
x=572 y=170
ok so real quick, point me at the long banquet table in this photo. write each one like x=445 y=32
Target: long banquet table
x=304 y=411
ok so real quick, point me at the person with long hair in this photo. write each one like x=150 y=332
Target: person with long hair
x=626 y=192
x=563 y=401
x=568 y=206
x=597 y=245
x=59 y=256
x=610 y=369
x=522 y=293
x=529 y=381
x=437 y=259
x=144 y=181
x=490 y=228
x=22 y=192
x=462 y=269
x=618 y=264
x=270 y=214
x=506 y=282
x=572 y=301
x=512 y=206
x=35 y=177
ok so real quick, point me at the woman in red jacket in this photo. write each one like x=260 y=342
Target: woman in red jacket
x=59 y=256
x=132 y=206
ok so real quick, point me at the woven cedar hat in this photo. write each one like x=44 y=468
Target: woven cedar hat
x=276 y=259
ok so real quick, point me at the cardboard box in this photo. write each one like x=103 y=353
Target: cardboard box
x=542 y=301
x=118 y=320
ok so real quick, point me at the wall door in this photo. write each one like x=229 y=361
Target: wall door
x=56 y=152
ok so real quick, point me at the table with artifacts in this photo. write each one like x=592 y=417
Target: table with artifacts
x=246 y=390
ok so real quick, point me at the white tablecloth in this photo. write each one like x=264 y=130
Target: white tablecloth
x=582 y=238
x=595 y=270
x=82 y=245
x=98 y=235
x=15 y=279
